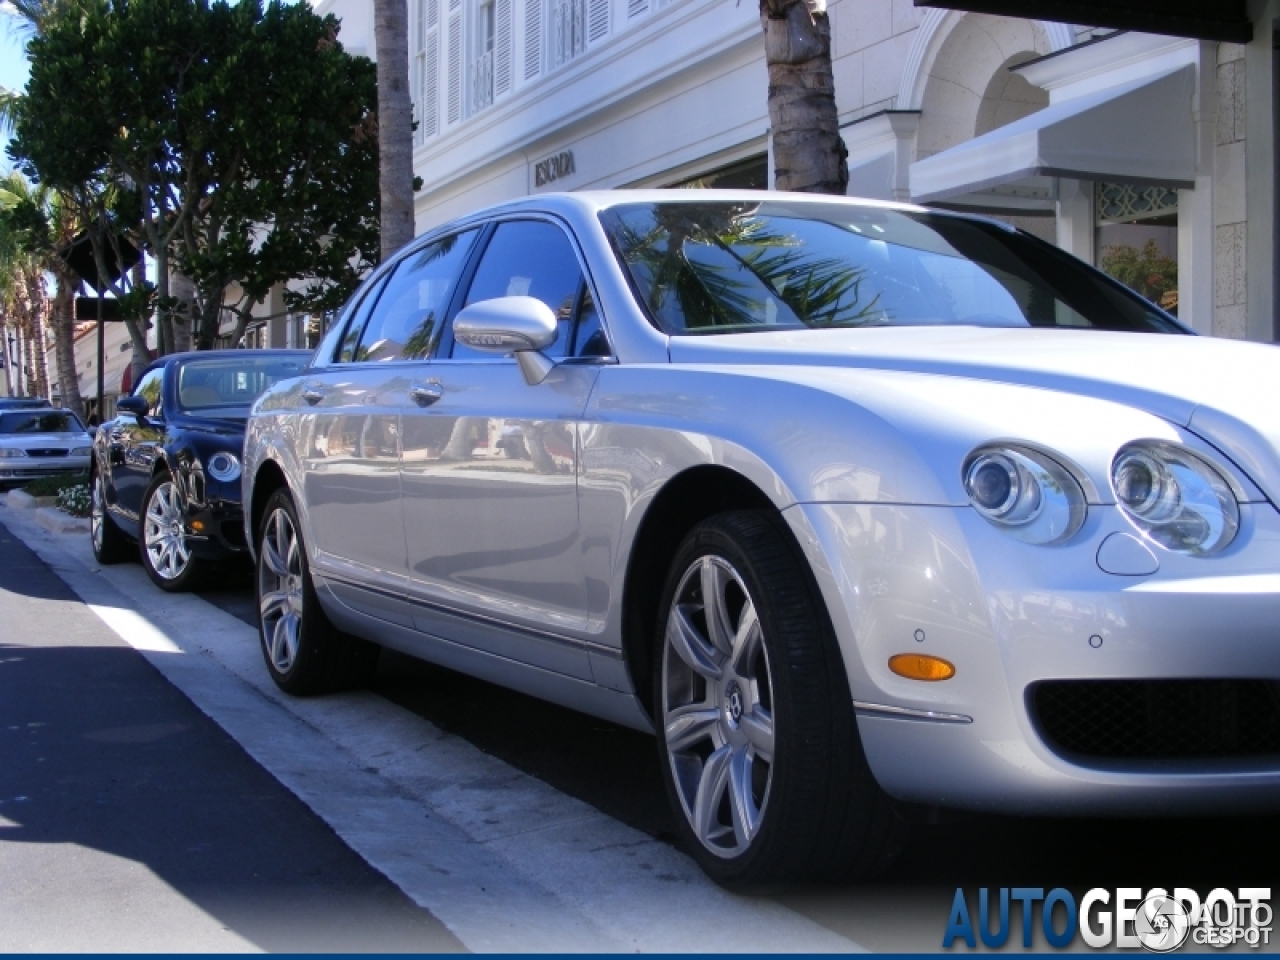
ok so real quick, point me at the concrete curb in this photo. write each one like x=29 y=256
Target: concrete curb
x=21 y=500
x=55 y=521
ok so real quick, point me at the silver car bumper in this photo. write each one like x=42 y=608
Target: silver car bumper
x=1009 y=616
x=22 y=469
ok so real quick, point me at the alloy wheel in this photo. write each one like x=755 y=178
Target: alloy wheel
x=163 y=536
x=280 y=589
x=717 y=706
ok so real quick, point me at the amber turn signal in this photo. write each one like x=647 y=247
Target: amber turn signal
x=197 y=525
x=920 y=666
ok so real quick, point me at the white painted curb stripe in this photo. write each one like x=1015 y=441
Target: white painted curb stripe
x=505 y=861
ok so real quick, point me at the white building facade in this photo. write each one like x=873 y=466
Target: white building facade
x=1124 y=148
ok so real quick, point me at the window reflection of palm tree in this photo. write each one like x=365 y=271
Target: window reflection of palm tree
x=716 y=260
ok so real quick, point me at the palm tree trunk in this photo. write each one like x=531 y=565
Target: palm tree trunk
x=808 y=153
x=395 y=124
x=64 y=334
x=40 y=341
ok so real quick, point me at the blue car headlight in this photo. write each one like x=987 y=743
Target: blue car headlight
x=224 y=466
x=5 y=453
x=1026 y=493
x=1175 y=497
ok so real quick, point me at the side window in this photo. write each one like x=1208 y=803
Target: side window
x=528 y=258
x=406 y=322
x=360 y=313
x=589 y=339
x=149 y=387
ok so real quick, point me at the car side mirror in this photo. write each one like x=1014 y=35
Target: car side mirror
x=134 y=404
x=524 y=326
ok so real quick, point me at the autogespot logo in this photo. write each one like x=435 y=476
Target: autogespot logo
x=1127 y=918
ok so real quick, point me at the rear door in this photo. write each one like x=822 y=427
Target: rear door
x=351 y=439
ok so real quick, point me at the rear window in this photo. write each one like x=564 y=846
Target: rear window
x=35 y=421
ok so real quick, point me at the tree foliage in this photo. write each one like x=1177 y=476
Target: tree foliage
x=242 y=136
x=1147 y=271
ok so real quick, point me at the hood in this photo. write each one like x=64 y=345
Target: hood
x=1224 y=390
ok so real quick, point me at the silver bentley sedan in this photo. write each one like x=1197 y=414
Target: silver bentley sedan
x=856 y=505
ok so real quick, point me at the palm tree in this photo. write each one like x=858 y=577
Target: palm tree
x=808 y=153
x=23 y=292
x=395 y=124
x=39 y=223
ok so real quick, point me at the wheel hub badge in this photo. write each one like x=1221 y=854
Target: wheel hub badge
x=733 y=704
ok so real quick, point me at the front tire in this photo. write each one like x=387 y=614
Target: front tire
x=110 y=543
x=162 y=541
x=306 y=653
x=757 y=737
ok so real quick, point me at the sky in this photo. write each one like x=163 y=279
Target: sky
x=13 y=66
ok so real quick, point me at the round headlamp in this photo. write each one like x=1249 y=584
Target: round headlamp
x=1025 y=493
x=1175 y=497
x=224 y=467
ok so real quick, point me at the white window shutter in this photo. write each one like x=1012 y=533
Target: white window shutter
x=501 y=47
x=453 y=69
x=636 y=8
x=597 y=20
x=430 y=123
x=532 y=38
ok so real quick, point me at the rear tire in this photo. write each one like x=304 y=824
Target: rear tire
x=110 y=543
x=757 y=736
x=305 y=653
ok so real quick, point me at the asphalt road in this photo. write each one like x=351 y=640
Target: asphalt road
x=131 y=821
x=615 y=771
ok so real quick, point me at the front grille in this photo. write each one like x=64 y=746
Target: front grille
x=1159 y=719
x=47 y=452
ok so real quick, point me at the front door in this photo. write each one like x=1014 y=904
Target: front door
x=133 y=445
x=489 y=473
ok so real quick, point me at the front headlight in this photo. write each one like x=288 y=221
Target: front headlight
x=9 y=452
x=224 y=467
x=1174 y=497
x=1025 y=493
x=82 y=452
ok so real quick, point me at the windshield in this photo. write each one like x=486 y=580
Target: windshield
x=227 y=386
x=720 y=267
x=39 y=421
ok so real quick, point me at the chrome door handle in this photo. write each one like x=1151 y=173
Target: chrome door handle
x=312 y=395
x=425 y=394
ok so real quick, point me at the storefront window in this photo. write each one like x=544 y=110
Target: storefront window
x=1138 y=239
x=749 y=174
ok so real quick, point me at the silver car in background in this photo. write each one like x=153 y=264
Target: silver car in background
x=852 y=503
x=41 y=441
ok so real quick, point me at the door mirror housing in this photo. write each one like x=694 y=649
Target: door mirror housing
x=136 y=405
x=524 y=326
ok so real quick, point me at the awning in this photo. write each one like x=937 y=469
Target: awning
x=1226 y=20
x=1137 y=132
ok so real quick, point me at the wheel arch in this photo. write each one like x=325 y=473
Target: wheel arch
x=685 y=500
x=268 y=478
